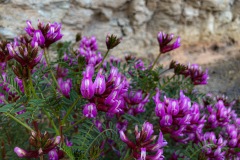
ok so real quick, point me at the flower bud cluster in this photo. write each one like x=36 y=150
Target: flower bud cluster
x=144 y=147
x=164 y=40
x=88 y=49
x=44 y=35
x=179 y=117
x=41 y=142
x=213 y=146
x=105 y=93
x=4 y=53
x=193 y=71
x=135 y=102
x=218 y=115
x=65 y=86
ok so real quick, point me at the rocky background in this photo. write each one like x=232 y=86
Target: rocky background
x=209 y=29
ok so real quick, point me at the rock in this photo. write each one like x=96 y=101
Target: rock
x=215 y=5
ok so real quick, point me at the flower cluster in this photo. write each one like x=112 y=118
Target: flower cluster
x=88 y=49
x=106 y=93
x=41 y=142
x=179 y=117
x=193 y=71
x=144 y=143
x=164 y=40
x=44 y=35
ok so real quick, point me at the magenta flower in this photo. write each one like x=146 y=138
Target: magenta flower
x=65 y=86
x=26 y=55
x=90 y=110
x=179 y=117
x=88 y=48
x=164 y=40
x=53 y=155
x=100 y=83
x=45 y=35
x=144 y=143
x=41 y=142
x=38 y=37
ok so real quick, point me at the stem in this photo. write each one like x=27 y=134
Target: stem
x=41 y=157
x=81 y=120
x=52 y=122
x=99 y=66
x=69 y=111
x=155 y=61
x=163 y=72
x=49 y=117
x=31 y=84
x=20 y=122
x=54 y=79
x=167 y=82
x=25 y=87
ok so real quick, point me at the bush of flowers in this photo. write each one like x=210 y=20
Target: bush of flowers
x=85 y=104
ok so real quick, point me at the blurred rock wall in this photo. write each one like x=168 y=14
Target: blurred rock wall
x=137 y=21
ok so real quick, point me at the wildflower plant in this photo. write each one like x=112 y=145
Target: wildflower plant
x=85 y=105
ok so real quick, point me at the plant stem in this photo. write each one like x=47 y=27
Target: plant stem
x=52 y=122
x=31 y=84
x=48 y=64
x=69 y=111
x=20 y=122
x=79 y=121
x=49 y=117
x=99 y=66
x=155 y=61
x=41 y=157
x=167 y=82
x=25 y=86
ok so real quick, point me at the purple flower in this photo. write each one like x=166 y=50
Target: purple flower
x=145 y=143
x=90 y=110
x=26 y=55
x=88 y=48
x=100 y=83
x=53 y=155
x=164 y=40
x=65 y=86
x=38 y=37
x=20 y=152
x=68 y=143
x=87 y=88
x=45 y=35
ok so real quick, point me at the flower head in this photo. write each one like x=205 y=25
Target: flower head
x=164 y=40
x=112 y=41
x=45 y=35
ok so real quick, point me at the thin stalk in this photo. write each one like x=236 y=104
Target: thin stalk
x=48 y=64
x=20 y=122
x=49 y=117
x=79 y=121
x=163 y=72
x=70 y=110
x=52 y=122
x=31 y=84
x=168 y=82
x=25 y=86
x=41 y=157
x=156 y=60
x=99 y=66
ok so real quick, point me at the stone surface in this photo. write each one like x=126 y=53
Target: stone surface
x=200 y=21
